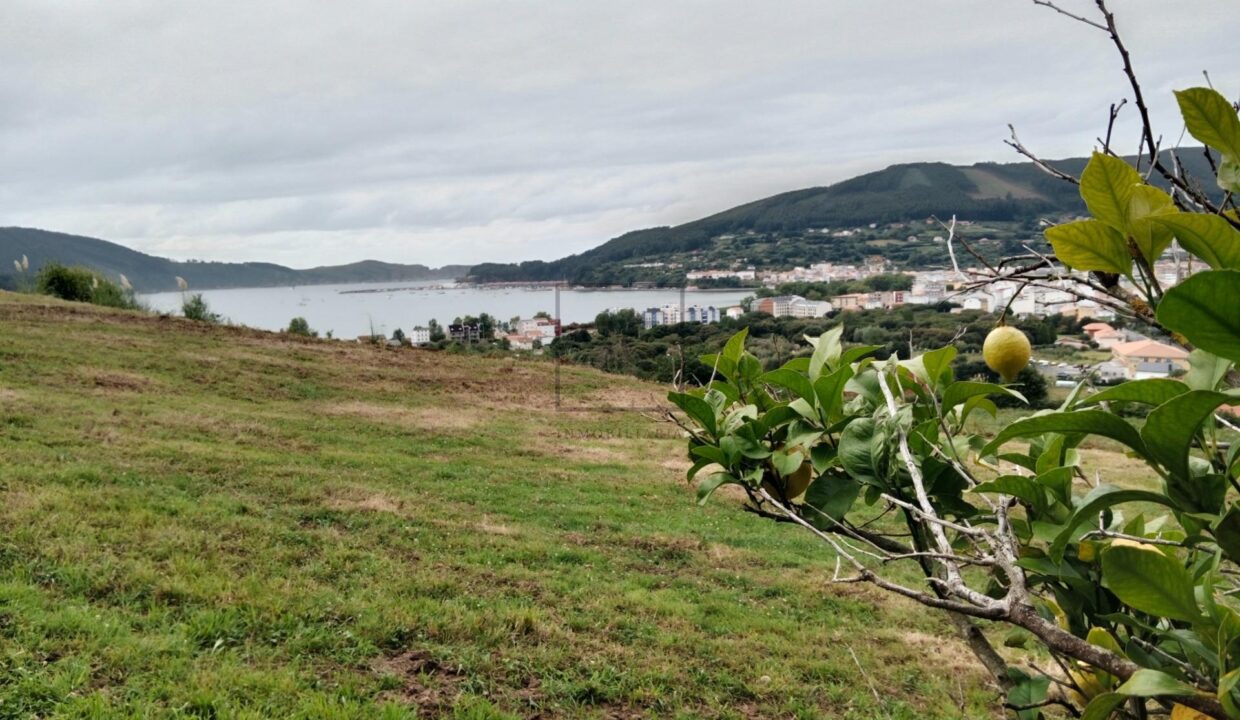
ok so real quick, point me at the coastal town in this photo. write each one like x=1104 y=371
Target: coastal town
x=1114 y=353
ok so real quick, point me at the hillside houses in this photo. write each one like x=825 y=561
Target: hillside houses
x=673 y=314
x=792 y=306
x=1147 y=358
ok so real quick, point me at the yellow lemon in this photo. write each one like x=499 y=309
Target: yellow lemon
x=794 y=485
x=1006 y=351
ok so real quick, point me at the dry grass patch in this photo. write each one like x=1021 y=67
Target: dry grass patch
x=944 y=654
x=365 y=500
x=114 y=380
x=491 y=527
x=433 y=418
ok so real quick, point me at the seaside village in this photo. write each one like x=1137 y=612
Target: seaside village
x=1132 y=355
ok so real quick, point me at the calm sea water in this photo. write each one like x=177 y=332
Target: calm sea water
x=384 y=307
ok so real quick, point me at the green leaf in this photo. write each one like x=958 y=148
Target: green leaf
x=963 y=390
x=1211 y=119
x=931 y=366
x=1205 y=309
x=978 y=403
x=697 y=409
x=833 y=494
x=1229 y=174
x=830 y=390
x=1205 y=370
x=735 y=347
x=790 y=380
x=827 y=350
x=1154 y=683
x=710 y=453
x=1091 y=422
x=1106 y=187
x=1018 y=486
x=855 y=353
x=1101 y=707
x=1227 y=533
x=1027 y=690
x=1153 y=391
x=1099 y=499
x=711 y=483
x=1170 y=427
x=1090 y=245
x=787 y=461
x=857 y=449
x=1209 y=237
x=1059 y=482
x=1146 y=205
x=1146 y=579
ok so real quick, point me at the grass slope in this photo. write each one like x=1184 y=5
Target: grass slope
x=202 y=521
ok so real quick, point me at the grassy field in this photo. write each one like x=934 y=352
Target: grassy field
x=201 y=521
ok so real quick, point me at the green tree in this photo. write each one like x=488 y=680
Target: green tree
x=195 y=308
x=299 y=326
x=1131 y=590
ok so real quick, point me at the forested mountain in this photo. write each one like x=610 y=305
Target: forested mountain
x=1006 y=193
x=152 y=274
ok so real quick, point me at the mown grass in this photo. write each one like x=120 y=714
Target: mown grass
x=202 y=521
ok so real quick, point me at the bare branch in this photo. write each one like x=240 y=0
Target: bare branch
x=1046 y=167
x=1061 y=11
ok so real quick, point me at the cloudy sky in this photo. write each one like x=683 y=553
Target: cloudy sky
x=458 y=131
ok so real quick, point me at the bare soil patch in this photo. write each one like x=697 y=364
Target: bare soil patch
x=437 y=419
x=428 y=684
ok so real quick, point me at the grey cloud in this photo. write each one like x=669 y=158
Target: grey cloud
x=459 y=132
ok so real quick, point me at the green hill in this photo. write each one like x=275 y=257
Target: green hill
x=1012 y=196
x=152 y=274
x=200 y=521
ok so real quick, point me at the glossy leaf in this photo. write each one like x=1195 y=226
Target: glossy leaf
x=1106 y=187
x=1170 y=427
x=1146 y=205
x=827 y=350
x=697 y=409
x=1229 y=174
x=833 y=494
x=1205 y=370
x=711 y=483
x=1099 y=499
x=1227 y=533
x=1205 y=309
x=857 y=449
x=1018 y=486
x=790 y=380
x=1209 y=237
x=1211 y=119
x=1150 y=581
x=1090 y=245
x=1095 y=422
x=1152 y=391
x=962 y=390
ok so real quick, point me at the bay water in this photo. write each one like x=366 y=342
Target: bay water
x=364 y=308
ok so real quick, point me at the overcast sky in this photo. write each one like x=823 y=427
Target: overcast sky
x=460 y=131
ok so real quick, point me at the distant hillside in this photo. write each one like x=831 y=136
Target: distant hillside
x=153 y=274
x=987 y=192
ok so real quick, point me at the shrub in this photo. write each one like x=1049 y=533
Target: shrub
x=299 y=326
x=196 y=308
x=79 y=284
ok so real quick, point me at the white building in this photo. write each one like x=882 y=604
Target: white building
x=420 y=336
x=671 y=315
x=542 y=328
